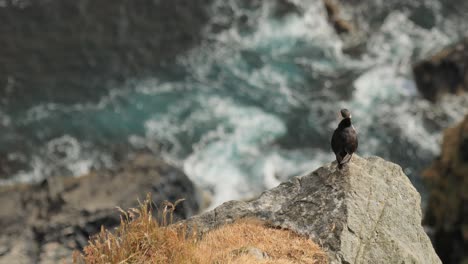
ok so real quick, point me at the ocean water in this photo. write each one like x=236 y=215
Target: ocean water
x=255 y=102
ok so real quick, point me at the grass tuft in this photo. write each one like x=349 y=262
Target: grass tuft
x=142 y=239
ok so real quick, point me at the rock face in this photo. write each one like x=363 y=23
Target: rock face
x=444 y=73
x=447 y=212
x=46 y=222
x=367 y=213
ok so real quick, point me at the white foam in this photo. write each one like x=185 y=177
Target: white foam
x=399 y=41
x=62 y=156
x=224 y=156
x=279 y=165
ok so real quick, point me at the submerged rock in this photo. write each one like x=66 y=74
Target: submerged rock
x=285 y=7
x=368 y=212
x=44 y=223
x=334 y=17
x=444 y=73
x=447 y=211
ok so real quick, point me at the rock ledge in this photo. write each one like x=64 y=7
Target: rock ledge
x=367 y=213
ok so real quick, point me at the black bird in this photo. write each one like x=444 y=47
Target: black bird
x=344 y=141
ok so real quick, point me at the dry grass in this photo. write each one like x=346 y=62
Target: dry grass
x=223 y=245
x=142 y=239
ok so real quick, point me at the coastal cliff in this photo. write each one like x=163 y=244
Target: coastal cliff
x=368 y=212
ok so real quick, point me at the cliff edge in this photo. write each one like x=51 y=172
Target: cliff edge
x=368 y=212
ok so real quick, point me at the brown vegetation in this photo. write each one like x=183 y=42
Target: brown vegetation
x=142 y=239
x=228 y=243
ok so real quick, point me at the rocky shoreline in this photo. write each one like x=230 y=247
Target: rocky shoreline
x=44 y=223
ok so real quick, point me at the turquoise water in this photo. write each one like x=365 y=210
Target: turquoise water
x=251 y=106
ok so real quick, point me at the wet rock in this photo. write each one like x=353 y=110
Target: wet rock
x=447 y=211
x=44 y=223
x=243 y=15
x=367 y=213
x=349 y=22
x=285 y=7
x=444 y=73
x=334 y=17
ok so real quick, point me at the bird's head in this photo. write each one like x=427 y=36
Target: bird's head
x=345 y=113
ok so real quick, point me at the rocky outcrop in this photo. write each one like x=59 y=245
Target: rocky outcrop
x=46 y=222
x=444 y=73
x=447 y=211
x=367 y=213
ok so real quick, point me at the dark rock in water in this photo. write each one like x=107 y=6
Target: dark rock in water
x=348 y=21
x=46 y=222
x=447 y=211
x=444 y=73
x=333 y=12
x=367 y=213
x=11 y=166
x=285 y=7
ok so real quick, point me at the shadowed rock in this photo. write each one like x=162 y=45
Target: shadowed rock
x=333 y=13
x=366 y=213
x=447 y=211
x=444 y=73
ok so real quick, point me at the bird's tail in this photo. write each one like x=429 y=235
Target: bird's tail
x=345 y=160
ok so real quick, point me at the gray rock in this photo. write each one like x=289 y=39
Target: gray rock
x=367 y=213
